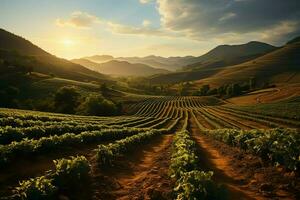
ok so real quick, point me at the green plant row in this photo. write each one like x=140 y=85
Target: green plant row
x=190 y=182
x=106 y=154
x=149 y=123
x=210 y=121
x=280 y=145
x=44 y=145
x=186 y=121
x=9 y=134
x=11 y=121
x=161 y=124
x=264 y=121
x=69 y=175
x=136 y=123
x=232 y=122
x=216 y=119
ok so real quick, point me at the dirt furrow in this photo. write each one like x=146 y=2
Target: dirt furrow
x=245 y=176
x=141 y=175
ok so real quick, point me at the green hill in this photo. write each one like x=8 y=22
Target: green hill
x=225 y=55
x=17 y=52
x=278 y=66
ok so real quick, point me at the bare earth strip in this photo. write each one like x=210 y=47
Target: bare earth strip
x=142 y=175
x=244 y=175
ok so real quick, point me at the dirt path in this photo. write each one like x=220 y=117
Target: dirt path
x=211 y=159
x=245 y=175
x=142 y=175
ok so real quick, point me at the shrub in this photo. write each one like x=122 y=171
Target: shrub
x=66 y=99
x=97 y=105
x=36 y=189
x=70 y=172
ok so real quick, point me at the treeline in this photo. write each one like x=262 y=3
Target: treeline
x=231 y=90
x=67 y=99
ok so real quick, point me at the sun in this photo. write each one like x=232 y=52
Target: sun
x=68 y=42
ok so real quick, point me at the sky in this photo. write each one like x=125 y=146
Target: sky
x=77 y=28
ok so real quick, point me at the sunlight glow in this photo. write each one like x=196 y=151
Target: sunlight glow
x=68 y=42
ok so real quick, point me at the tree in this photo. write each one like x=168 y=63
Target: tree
x=104 y=89
x=204 y=90
x=66 y=99
x=233 y=90
x=236 y=89
x=98 y=106
x=252 y=83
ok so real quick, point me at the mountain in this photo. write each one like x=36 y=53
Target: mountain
x=99 y=58
x=120 y=68
x=281 y=65
x=225 y=55
x=18 y=52
x=169 y=63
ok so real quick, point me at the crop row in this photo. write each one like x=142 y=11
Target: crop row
x=280 y=146
x=190 y=182
x=252 y=118
x=9 y=134
x=68 y=176
x=262 y=117
x=220 y=120
x=27 y=147
x=106 y=154
x=234 y=123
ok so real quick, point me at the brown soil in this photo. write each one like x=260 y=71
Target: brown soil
x=141 y=175
x=245 y=176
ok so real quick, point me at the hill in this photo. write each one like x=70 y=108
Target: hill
x=120 y=68
x=169 y=63
x=225 y=55
x=99 y=58
x=278 y=66
x=18 y=52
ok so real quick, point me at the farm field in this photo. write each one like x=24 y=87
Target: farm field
x=164 y=148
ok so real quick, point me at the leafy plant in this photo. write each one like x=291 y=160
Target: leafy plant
x=40 y=188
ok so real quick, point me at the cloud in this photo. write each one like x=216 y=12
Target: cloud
x=146 y=23
x=211 y=19
x=227 y=16
x=132 y=30
x=145 y=1
x=79 y=19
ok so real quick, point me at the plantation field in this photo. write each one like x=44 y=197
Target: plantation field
x=164 y=148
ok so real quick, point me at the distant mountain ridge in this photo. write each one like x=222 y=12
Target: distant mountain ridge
x=281 y=65
x=225 y=55
x=120 y=68
x=99 y=58
x=220 y=56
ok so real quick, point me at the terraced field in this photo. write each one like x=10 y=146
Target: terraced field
x=165 y=148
